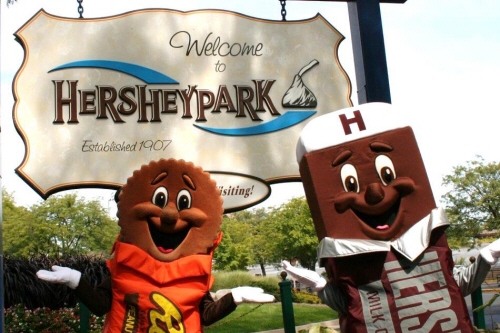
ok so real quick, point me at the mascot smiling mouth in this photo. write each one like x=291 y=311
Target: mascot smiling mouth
x=380 y=222
x=167 y=242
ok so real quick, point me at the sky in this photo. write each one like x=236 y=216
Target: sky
x=443 y=59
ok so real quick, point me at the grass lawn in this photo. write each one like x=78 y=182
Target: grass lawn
x=249 y=318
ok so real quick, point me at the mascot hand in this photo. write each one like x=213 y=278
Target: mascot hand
x=305 y=276
x=491 y=253
x=58 y=274
x=250 y=295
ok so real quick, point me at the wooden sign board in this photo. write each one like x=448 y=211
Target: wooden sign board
x=98 y=98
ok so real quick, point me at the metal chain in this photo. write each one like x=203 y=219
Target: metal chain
x=283 y=10
x=80 y=8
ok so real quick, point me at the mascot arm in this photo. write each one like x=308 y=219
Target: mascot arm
x=332 y=297
x=60 y=275
x=250 y=295
x=329 y=294
x=491 y=253
x=469 y=278
x=97 y=300
x=212 y=311
x=305 y=276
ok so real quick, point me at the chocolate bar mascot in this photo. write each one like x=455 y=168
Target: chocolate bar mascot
x=382 y=239
x=170 y=213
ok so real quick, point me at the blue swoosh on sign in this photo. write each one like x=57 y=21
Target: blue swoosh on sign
x=286 y=120
x=145 y=74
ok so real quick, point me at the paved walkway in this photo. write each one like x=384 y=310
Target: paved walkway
x=331 y=323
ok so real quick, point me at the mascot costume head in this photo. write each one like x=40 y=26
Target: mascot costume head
x=170 y=209
x=363 y=174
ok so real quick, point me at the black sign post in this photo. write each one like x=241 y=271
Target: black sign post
x=370 y=63
x=372 y=78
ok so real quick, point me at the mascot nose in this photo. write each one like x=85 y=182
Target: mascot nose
x=374 y=193
x=170 y=214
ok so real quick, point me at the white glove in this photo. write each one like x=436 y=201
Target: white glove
x=64 y=275
x=491 y=253
x=305 y=276
x=250 y=295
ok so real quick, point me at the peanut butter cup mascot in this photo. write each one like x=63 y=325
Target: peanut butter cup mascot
x=382 y=239
x=170 y=214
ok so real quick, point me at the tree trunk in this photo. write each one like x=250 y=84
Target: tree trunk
x=262 y=267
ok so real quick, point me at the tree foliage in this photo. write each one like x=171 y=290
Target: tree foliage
x=473 y=201
x=233 y=252
x=15 y=225
x=295 y=236
x=268 y=236
x=68 y=225
x=61 y=225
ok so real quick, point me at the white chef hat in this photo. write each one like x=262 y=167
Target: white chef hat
x=348 y=124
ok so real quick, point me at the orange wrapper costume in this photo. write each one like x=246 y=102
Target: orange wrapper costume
x=147 y=293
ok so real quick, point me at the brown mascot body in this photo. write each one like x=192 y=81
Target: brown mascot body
x=382 y=239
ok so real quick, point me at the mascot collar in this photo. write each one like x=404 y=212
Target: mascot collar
x=411 y=244
x=131 y=258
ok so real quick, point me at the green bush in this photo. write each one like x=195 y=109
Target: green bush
x=270 y=285
x=229 y=280
x=65 y=320
x=304 y=297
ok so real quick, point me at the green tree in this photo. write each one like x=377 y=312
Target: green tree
x=473 y=201
x=294 y=233
x=245 y=242
x=268 y=236
x=233 y=252
x=263 y=236
x=61 y=225
x=16 y=222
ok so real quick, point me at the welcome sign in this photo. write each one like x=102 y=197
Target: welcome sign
x=98 y=98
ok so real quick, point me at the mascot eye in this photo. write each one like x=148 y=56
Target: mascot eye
x=183 y=200
x=160 y=197
x=349 y=177
x=385 y=169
